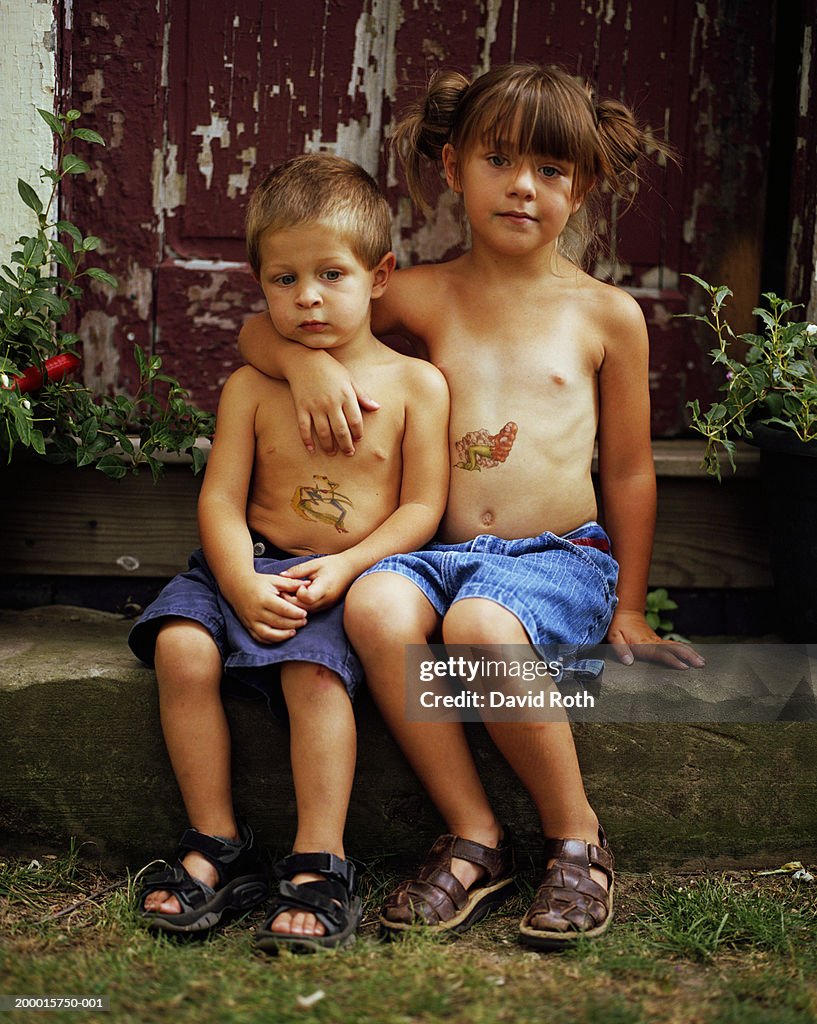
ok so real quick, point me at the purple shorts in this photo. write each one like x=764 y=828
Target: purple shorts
x=195 y=595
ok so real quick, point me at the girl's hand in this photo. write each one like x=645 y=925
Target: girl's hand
x=322 y=582
x=268 y=607
x=631 y=628
x=329 y=403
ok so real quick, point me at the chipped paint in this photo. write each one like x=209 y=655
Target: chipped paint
x=372 y=79
x=488 y=32
x=100 y=356
x=218 y=130
x=169 y=184
x=27 y=62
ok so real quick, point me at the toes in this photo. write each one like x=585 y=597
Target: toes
x=297 y=924
x=162 y=903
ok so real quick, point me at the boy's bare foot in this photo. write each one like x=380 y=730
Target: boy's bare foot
x=165 y=902
x=315 y=908
x=211 y=877
x=300 y=922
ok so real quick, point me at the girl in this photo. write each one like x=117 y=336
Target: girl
x=541 y=361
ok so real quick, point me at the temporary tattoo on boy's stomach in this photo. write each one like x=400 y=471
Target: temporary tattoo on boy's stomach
x=321 y=503
x=480 y=450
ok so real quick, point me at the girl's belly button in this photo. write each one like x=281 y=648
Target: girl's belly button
x=487 y=518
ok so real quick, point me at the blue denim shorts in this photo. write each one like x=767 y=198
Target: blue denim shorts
x=195 y=595
x=562 y=589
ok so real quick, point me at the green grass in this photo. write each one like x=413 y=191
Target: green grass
x=709 y=949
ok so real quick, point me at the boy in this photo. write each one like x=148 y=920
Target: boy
x=283 y=536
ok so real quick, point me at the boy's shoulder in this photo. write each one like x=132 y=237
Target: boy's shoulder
x=412 y=373
x=246 y=387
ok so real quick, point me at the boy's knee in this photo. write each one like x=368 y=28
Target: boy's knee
x=311 y=684
x=183 y=638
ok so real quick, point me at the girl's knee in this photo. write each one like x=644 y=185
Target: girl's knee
x=386 y=607
x=477 y=620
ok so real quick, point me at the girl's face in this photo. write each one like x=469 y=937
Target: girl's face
x=515 y=203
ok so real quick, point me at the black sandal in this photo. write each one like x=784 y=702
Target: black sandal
x=331 y=900
x=242 y=883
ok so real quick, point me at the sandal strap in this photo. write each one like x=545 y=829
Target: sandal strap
x=569 y=899
x=435 y=894
x=190 y=892
x=580 y=854
x=220 y=852
x=333 y=868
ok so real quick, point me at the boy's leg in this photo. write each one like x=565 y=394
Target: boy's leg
x=188 y=671
x=384 y=612
x=542 y=754
x=323 y=750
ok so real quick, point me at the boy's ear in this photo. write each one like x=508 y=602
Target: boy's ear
x=451 y=167
x=381 y=274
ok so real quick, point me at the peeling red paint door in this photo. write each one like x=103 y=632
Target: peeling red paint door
x=201 y=99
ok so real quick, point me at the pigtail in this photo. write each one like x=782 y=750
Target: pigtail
x=623 y=144
x=420 y=135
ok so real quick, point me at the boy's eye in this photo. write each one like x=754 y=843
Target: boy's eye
x=333 y=275
x=285 y=279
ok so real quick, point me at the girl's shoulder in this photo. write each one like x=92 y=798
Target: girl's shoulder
x=411 y=296
x=610 y=300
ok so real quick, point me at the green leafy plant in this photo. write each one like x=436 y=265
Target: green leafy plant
x=41 y=407
x=658 y=602
x=770 y=378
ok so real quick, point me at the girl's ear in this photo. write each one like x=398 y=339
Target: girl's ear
x=451 y=167
x=381 y=274
x=578 y=202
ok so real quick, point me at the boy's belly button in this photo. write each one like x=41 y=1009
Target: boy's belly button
x=487 y=518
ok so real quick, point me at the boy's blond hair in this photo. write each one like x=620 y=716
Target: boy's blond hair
x=320 y=188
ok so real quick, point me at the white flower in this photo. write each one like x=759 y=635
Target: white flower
x=4 y=380
x=811 y=330
x=25 y=403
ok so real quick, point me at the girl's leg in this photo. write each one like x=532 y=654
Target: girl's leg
x=197 y=736
x=384 y=612
x=542 y=754
x=323 y=749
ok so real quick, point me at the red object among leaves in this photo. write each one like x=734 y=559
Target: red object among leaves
x=54 y=368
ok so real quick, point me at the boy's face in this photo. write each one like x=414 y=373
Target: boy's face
x=317 y=290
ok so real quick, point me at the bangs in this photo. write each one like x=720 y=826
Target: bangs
x=535 y=112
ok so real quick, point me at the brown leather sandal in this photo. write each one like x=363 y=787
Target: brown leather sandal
x=437 y=899
x=570 y=904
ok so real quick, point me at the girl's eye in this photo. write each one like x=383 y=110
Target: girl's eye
x=495 y=160
x=333 y=275
x=548 y=171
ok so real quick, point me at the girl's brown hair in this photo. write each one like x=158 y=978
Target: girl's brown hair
x=528 y=109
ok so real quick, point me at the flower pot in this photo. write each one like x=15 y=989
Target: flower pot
x=788 y=469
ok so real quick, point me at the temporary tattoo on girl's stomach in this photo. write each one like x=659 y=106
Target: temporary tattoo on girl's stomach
x=321 y=503
x=480 y=450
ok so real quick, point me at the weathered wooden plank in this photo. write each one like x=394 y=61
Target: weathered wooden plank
x=60 y=521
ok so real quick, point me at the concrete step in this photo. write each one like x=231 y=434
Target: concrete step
x=81 y=755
